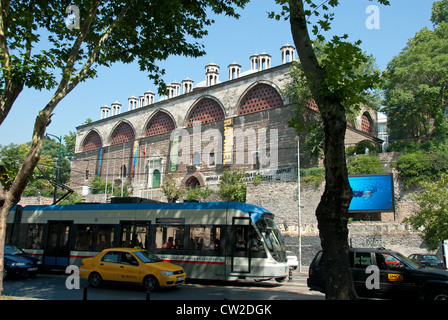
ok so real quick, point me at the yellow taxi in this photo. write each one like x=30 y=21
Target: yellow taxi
x=131 y=265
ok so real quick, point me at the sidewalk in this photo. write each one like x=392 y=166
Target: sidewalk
x=298 y=282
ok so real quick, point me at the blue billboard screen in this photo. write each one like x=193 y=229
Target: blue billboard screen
x=372 y=193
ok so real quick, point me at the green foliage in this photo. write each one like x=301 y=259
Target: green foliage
x=365 y=164
x=232 y=186
x=98 y=186
x=257 y=179
x=198 y=193
x=439 y=12
x=361 y=146
x=73 y=198
x=12 y=157
x=352 y=76
x=417 y=168
x=415 y=86
x=410 y=146
x=312 y=176
x=431 y=219
x=170 y=189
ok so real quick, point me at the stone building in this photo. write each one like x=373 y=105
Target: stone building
x=198 y=130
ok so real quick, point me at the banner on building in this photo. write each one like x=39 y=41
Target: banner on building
x=134 y=158
x=100 y=159
x=227 y=152
x=174 y=150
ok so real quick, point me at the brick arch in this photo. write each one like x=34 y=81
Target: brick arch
x=92 y=142
x=122 y=133
x=159 y=124
x=205 y=111
x=366 y=123
x=259 y=98
x=190 y=180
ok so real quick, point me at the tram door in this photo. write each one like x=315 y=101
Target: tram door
x=135 y=234
x=57 y=248
x=240 y=251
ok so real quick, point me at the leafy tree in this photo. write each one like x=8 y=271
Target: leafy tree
x=197 y=193
x=418 y=167
x=98 y=186
x=432 y=216
x=333 y=85
x=171 y=191
x=365 y=164
x=328 y=54
x=147 y=31
x=439 y=12
x=361 y=146
x=415 y=87
x=232 y=186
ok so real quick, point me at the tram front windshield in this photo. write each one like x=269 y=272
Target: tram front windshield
x=272 y=237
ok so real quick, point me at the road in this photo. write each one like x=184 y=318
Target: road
x=53 y=287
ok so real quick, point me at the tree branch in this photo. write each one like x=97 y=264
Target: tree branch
x=82 y=73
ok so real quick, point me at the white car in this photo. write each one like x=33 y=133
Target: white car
x=293 y=261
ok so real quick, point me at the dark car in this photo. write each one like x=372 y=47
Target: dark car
x=427 y=260
x=396 y=276
x=17 y=263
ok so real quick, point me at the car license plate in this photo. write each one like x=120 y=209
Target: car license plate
x=32 y=269
x=180 y=279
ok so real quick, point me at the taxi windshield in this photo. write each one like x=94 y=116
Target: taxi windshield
x=147 y=257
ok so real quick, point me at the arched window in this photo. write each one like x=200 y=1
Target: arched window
x=196 y=159
x=123 y=171
x=206 y=111
x=261 y=97
x=92 y=142
x=192 y=182
x=366 y=123
x=123 y=133
x=160 y=123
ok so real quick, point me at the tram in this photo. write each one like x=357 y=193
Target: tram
x=210 y=240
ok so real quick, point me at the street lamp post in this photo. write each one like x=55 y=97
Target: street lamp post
x=299 y=227
x=300 y=205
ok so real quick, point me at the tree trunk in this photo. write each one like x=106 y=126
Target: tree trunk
x=11 y=197
x=332 y=211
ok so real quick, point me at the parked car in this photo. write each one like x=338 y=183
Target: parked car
x=131 y=265
x=427 y=260
x=292 y=260
x=17 y=263
x=398 y=278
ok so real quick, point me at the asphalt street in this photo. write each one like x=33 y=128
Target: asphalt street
x=53 y=287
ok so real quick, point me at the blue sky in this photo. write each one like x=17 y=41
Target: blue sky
x=229 y=40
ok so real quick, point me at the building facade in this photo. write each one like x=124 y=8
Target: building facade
x=197 y=131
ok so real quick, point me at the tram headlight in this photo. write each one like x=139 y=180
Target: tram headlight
x=167 y=273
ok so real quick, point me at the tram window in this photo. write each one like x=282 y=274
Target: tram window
x=169 y=237
x=34 y=236
x=105 y=237
x=84 y=237
x=204 y=238
x=127 y=235
x=241 y=238
x=133 y=235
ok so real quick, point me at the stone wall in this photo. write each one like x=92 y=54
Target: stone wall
x=377 y=230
